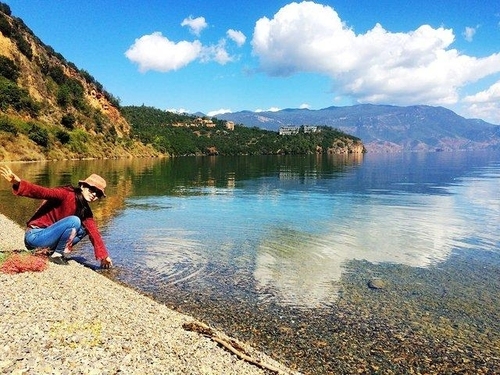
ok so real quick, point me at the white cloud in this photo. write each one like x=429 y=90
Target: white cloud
x=485 y=104
x=218 y=112
x=156 y=52
x=377 y=67
x=469 y=33
x=419 y=237
x=236 y=36
x=492 y=94
x=196 y=25
x=216 y=53
x=304 y=106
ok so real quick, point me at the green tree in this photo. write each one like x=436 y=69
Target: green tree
x=68 y=121
x=8 y=69
x=11 y=96
x=6 y=125
x=57 y=74
x=63 y=136
x=39 y=135
x=23 y=45
x=63 y=96
x=79 y=141
x=5 y=26
x=4 y=8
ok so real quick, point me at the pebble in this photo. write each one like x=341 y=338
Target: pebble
x=376 y=284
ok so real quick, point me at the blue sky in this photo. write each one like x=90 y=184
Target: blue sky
x=227 y=56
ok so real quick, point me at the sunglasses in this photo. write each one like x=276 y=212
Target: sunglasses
x=98 y=193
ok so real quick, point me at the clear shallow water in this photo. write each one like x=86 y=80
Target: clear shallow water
x=290 y=224
x=279 y=235
x=293 y=229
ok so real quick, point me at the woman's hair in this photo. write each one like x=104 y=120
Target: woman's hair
x=82 y=207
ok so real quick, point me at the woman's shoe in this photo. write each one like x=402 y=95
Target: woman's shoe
x=57 y=258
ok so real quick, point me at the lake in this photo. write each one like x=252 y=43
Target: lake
x=281 y=251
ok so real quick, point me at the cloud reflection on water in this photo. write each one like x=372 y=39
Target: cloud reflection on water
x=305 y=269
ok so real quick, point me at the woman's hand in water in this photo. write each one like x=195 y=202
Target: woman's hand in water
x=106 y=263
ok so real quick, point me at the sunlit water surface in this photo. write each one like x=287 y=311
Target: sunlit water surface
x=288 y=224
x=291 y=231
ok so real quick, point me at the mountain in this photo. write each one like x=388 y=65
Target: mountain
x=50 y=109
x=384 y=128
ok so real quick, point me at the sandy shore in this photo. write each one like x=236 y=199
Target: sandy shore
x=72 y=320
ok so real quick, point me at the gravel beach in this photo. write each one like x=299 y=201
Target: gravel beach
x=72 y=320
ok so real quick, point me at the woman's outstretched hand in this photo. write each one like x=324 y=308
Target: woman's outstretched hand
x=106 y=263
x=10 y=176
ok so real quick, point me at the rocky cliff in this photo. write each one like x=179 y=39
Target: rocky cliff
x=50 y=109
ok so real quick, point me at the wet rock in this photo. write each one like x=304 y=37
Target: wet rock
x=377 y=284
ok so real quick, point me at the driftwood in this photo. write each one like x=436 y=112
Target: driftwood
x=229 y=344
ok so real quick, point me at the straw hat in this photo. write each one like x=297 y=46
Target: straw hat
x=96 y=181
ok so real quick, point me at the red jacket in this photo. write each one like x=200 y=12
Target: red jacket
x=59 y=202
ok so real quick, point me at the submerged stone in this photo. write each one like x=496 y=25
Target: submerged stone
x=376 y=284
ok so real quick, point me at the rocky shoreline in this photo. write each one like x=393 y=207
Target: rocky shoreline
x=72 y=320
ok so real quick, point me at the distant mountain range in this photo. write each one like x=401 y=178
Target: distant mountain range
x=384 y=128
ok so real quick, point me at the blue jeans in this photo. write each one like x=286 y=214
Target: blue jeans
x=59 y=237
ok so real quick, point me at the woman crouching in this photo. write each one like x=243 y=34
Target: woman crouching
x=63 y=218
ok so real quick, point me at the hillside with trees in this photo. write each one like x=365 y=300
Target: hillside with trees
x=50 y=109
x=181 y=135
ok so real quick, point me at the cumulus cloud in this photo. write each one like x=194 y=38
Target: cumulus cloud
x=378 y=66
x=304 y=106
x=157 y=52
x=236 y=36
x=196 y=25
x=485 y=104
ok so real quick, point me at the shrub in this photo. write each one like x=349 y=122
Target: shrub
x=79 y=141
x=71 y=92
x=39 y=135
x=43 y=64
x=113 y=100
x=4 y=8
x=63 y=136
x=73 y=66
x=68 y=121
x=77 y=93
x=99 y=121
x=6 y=125
x=23 y=45
x=63 y=96
x=17 y=98
x=57 y=74
x=8 y=69
x=30 y=106
x=10 y=94
x=5 y=26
